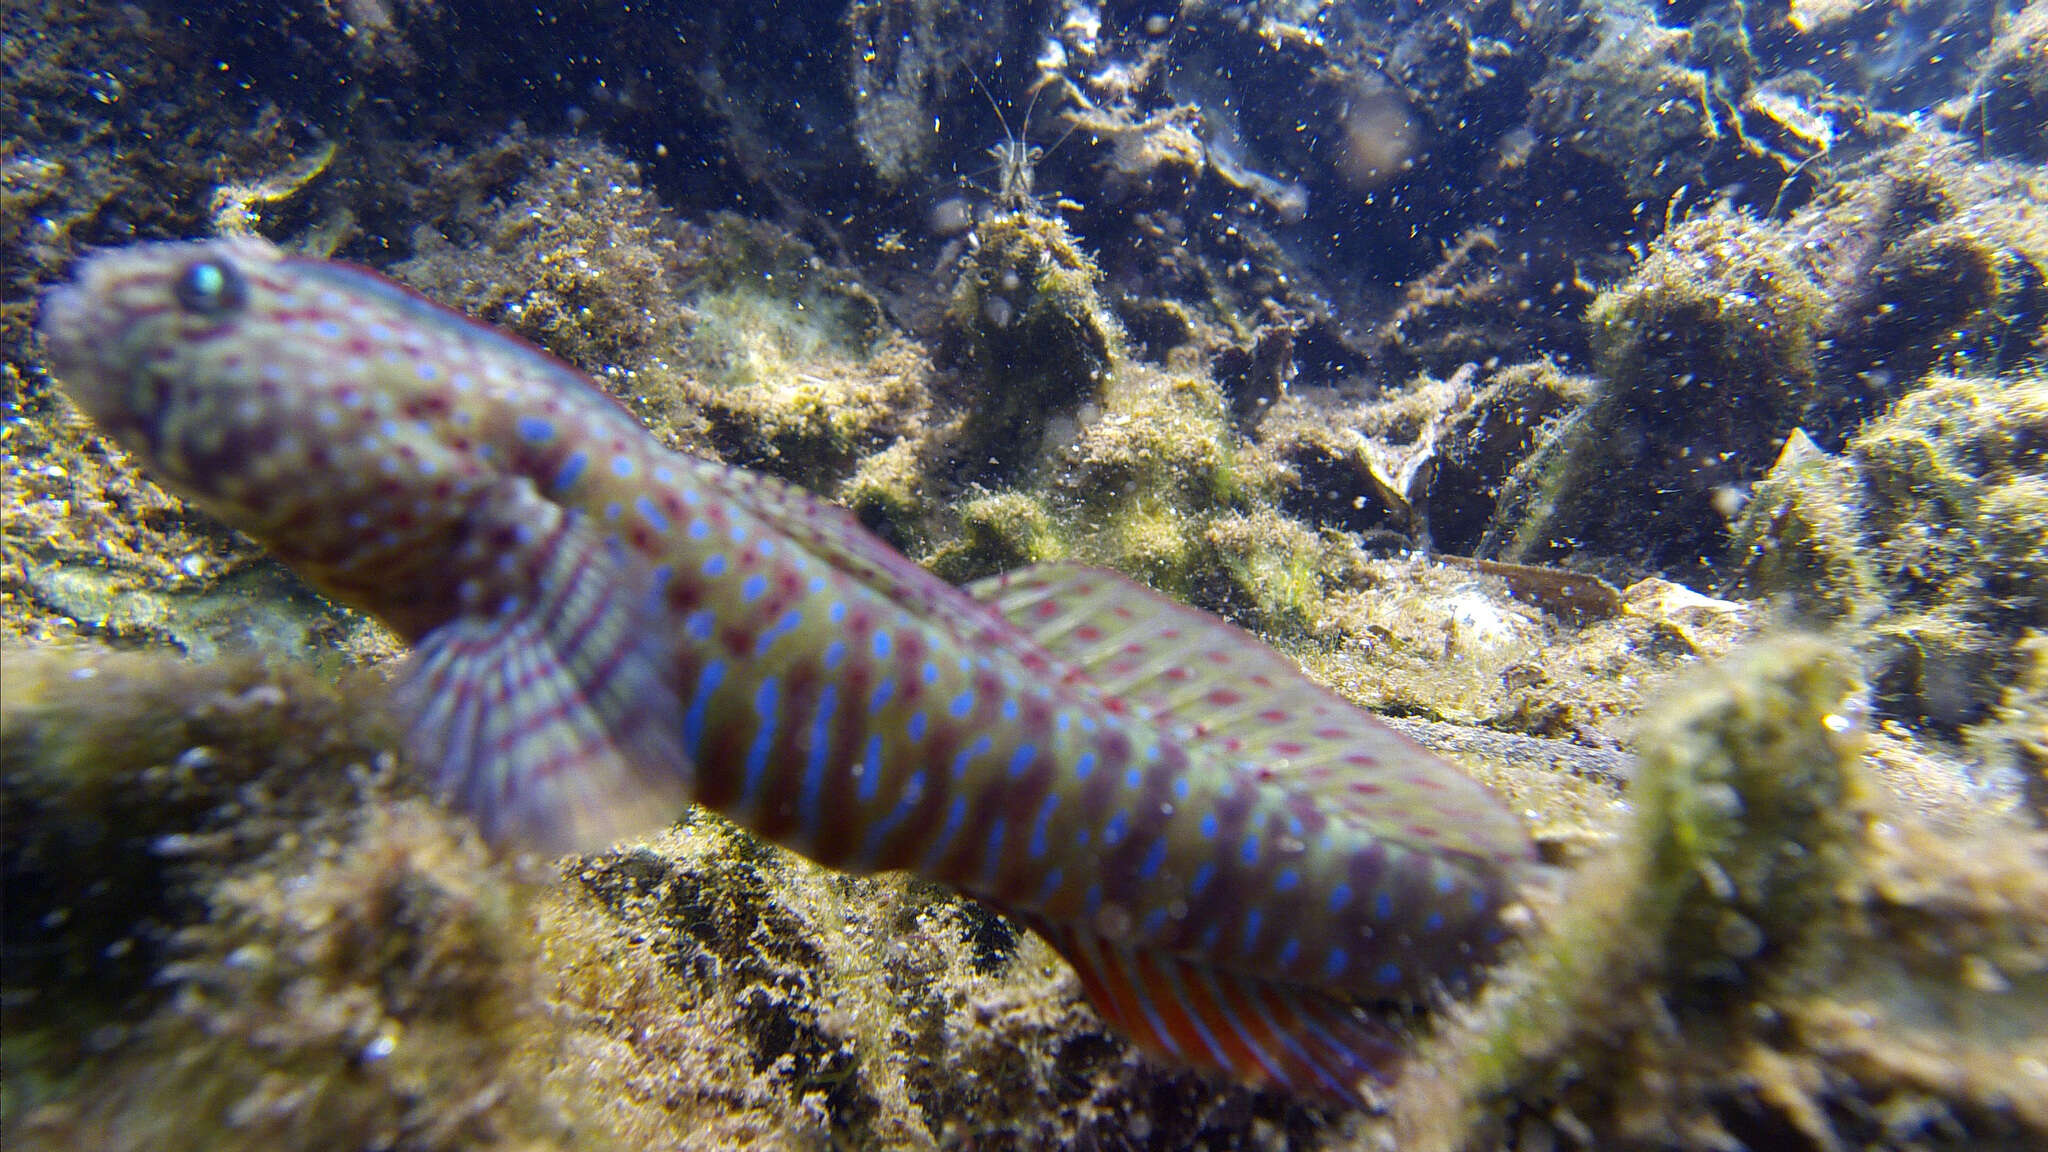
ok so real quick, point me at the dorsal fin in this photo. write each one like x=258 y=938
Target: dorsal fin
x=1220 y=688
x=832 y=534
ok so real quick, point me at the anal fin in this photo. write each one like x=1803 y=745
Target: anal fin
x=547 y=709
x=1257 y=1031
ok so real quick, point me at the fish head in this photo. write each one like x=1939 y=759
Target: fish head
x=187 y=354
x=286 y=405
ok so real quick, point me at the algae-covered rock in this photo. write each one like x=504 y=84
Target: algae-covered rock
x=1027 y=325
x=2010 y=90
x=1933 y=260
x=1929 y=528
x=231 y=924
x=1706 y=355
x=1774 y=952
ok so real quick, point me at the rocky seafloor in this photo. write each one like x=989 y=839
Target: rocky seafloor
x=1645 y=405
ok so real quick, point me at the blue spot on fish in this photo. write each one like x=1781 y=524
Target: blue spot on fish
x=1388 y=973
x=962 y=705
x=715 y=564
x=536 y=430
x=835 y=654
x=700 y=701
x=817 y=757
x=1253 y=917
x=1084 y=765
x=1250 y=852
x=571 y=469
x=756 y=586
x=1038 y=844
x=1051 y=885
x=1339 y=897
x=1021 y=759
x=1383 y=906
x=699 y=624
x=1287 y=880
x=871 y=769
x=1203 y=875
x=783 y=627
x=767 y=710
x=1118 y=824
x=915 y=726
x=1155 y=858
x=956 y=815
x=969 y=754
x=1335 y=963
x=885 y=689
x=649 y=512
x=622 y=467
x=881 y=644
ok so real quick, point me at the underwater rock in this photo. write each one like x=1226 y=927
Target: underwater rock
x=1706 y=359
x=1928 y=529
x=733 y=337
x=1734 y=332
x=800 y=374
x=1427 y=461
x=1027 y=324
x=232 y=924
x=1775 y=953
x=1933 y=259
x=1512 y=410
x=2010 y=92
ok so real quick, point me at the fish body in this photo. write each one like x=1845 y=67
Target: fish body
x=1233 y=858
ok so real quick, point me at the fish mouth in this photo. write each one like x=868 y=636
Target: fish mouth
x=61 y=320
x=77 y=346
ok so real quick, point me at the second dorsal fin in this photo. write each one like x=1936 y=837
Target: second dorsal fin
x=1224 y=691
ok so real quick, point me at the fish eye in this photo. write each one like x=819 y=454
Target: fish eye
x=211 y=288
